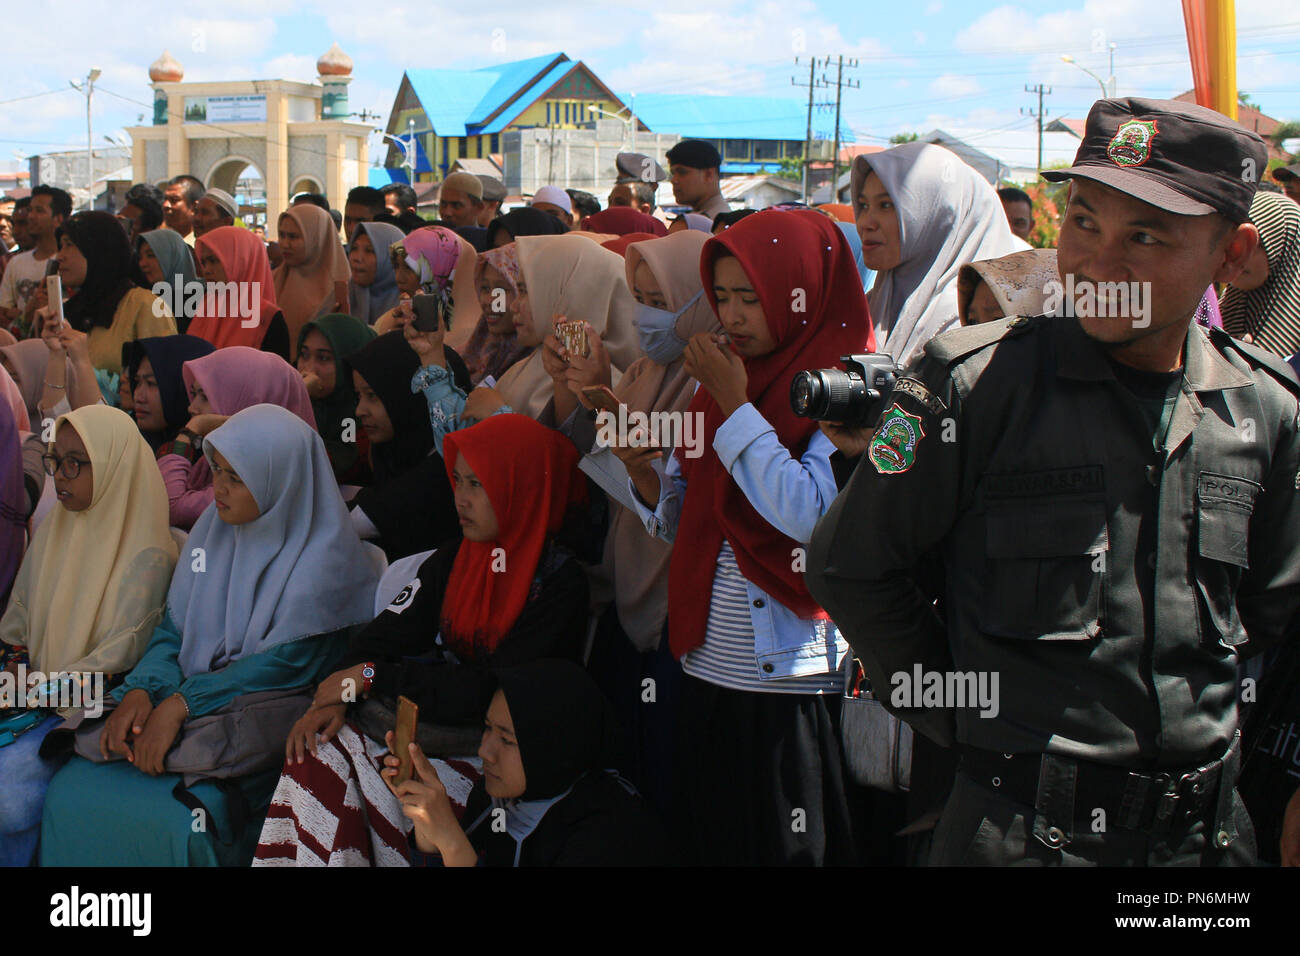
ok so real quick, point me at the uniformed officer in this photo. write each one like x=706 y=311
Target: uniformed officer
x=695 y=168
x=1112 y=495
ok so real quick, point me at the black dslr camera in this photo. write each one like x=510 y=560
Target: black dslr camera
x=853 y=396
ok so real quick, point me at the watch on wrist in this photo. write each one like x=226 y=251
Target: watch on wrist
x=367 y=676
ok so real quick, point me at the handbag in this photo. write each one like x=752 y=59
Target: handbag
x=244 y=737
x=877 y=745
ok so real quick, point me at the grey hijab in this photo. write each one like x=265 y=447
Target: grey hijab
x=947 y=215
x=368 y=303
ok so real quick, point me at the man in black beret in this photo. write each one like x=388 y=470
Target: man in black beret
x=1289 y=179
x=693 y=167
x=1066 y=531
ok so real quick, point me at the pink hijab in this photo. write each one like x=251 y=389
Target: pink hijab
x=12 y=396
x=237 y=377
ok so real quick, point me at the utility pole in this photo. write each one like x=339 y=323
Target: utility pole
x=1041 y=91
x=87 y=87
x=839 y=85
x=807 y=143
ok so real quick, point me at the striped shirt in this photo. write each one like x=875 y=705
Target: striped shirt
x=727 y=657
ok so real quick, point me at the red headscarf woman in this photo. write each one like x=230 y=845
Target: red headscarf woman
x=251 y=317
x=802 y=270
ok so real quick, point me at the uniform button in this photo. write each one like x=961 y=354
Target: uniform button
x=1151 y=560
x=1055 y=836
x=758 y=602
x=767 y=668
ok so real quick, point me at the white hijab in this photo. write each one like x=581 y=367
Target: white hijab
x=947 y=216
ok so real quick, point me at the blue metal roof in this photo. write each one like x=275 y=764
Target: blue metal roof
x=510 y=78
x=456 y=101
x=551 y=77
x=728 y=117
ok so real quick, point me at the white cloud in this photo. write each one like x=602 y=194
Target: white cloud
x=954 y=84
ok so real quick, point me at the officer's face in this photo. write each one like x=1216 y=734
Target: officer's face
x=739 y=310
x=882 y=245
x=1166 y=259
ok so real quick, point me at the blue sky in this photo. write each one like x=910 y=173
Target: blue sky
x=924 y=63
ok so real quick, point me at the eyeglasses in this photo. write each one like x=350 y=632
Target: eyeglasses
x=70 y=467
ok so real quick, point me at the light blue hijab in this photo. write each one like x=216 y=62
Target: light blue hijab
x=295 y=571
x=368 y=303
x=175 y=258
x=850 y=231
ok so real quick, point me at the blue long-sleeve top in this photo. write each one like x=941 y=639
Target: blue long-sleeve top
x=446 y=401
x=301 y=663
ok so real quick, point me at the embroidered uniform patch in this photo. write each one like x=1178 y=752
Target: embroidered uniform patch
x=404 y=597
x=1132 y=142
x=893 y=448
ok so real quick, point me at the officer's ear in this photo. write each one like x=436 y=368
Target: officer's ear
x=1237 y=244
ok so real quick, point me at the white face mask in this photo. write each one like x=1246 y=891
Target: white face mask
x=657 y=331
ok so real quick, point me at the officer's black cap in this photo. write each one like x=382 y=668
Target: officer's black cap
x=635 y=167
x=695 y=154
x=1283 y=173
x=1179 y=157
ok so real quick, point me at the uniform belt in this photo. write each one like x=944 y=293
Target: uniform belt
x=1131 y=800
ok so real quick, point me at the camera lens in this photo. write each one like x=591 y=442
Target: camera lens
x=806 y=394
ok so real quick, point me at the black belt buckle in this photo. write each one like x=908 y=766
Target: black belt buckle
x=1167 y=802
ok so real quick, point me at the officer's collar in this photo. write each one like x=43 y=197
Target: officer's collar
x=1204 y=368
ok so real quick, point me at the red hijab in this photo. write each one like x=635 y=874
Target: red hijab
x=620 y=220
x=243 y=258
x=619 y=246
x=530 y=474
x=780 y=251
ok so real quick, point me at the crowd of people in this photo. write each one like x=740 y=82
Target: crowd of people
x=380 y=461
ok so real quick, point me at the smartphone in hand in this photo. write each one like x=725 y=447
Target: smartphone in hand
x=54 y=296
x=428 y=312
x=602 y=397
x=408 y=712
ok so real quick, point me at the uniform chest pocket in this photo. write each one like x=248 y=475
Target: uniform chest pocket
x=1224 y=506
x=1045 y=568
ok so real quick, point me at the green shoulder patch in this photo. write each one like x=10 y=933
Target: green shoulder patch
x=893 y=448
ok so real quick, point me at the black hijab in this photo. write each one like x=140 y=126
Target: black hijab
x=410 y=500
x=99 y=237
x=563 y=724
x=525 y=221
x=166 y=354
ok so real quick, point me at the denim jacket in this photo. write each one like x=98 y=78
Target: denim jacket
x=791 y=495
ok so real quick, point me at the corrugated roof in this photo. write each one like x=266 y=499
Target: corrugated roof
x=728 y=117
x=736 y=187
x=455 y=100
x=511 y=77
x=544 y=83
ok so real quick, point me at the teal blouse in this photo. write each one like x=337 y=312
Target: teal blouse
x=301 y=663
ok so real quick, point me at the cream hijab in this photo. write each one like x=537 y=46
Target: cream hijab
x=1019 y=282
x=574 y=277
x=92 y=585
x=639 y=564
x=308 y=291
x=947 y=215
